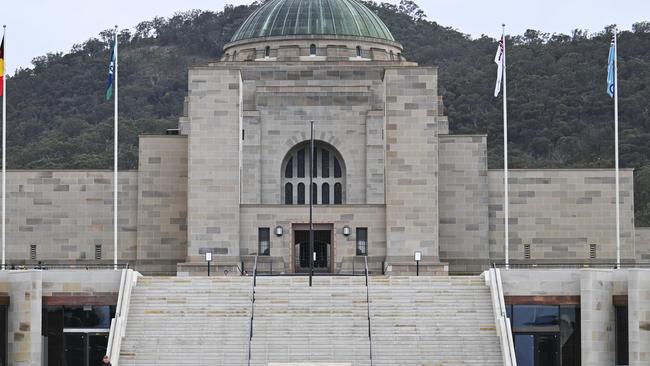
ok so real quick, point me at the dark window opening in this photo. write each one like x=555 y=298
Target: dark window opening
x=337 y=168
x=326 y=194
x=301 y=193
x=314 y=194
x=301 y=163
x=264 y=241
x=362 y=241
x=338 y=194
x=325 y=164
x=312 y=50
x=314 y=160
x=267 y=51
x=358 y=51
x=288 y=194
x=288 y=171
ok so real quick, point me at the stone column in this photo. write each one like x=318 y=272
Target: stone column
x=412 y=168
x=638 y=291
x=597 y=318
x=214 y=160
x=25 y=318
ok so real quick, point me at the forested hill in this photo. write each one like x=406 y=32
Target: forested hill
x=559 y=112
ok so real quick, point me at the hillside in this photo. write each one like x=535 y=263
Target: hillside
x=560 y=115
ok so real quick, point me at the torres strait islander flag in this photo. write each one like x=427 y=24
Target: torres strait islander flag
x=2 y=65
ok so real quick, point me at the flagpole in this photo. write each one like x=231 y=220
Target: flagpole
x=618 y=207
x=4 y=151
x=115 y=142
x=505 y=153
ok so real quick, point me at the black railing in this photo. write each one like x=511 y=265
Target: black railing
x=368 y=309
x=61 y=266
x=570 y=265
x=250 y=330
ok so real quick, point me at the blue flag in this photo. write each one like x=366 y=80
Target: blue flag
x=111 y=70
x=610 y=68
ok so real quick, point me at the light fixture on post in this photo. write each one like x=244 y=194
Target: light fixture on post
x=346 y=230
x=208 y=258
x=418 y=258
x=279 y=230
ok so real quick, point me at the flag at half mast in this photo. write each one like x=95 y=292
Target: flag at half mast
x=111 y=74
x=498 y=59
x=610 y=67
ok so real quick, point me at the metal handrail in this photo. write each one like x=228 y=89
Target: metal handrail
x=250 y=330
x=61 y=266
x=368 y=309
x=570 y=265
x=504 y=330
x=506 y=320
x=118 y=324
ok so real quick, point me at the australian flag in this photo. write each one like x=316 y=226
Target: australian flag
x=610 y=68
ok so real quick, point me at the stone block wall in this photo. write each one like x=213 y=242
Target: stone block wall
x=597 y=318
x=411 y=164
x=463 y=206
x=282 y=248
x=214 y=147
x=642 y=244
x=162 y=204
x=559 y=213
x=346 y=105
x=67 y=213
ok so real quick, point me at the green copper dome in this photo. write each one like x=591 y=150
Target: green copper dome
x=313 y=17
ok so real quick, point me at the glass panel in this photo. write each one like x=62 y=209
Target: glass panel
x=525 y=349
x=3 y=335
x=90 y=317
x=314 y=193
x=288 y=171
x=547 y=350
x=312 y=50
x=96 y=348
x=337 y=168
x=267 y=53
x=301 y=163
x=264 y=238
x=288 y=194
x=338 y=194
x=570 y=334
x=362 y=241
x=536 y=315
x=53 y=331
x=301 y=193
x=325 y=164
x=622 y=345
x=75 y=349
x=326 y=194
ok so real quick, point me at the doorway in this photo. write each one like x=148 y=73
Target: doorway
x=322 y=248
x=84 y=348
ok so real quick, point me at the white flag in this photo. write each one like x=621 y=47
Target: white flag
x=499 y=60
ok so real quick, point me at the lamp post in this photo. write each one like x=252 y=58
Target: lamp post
x=418 y=257
x=208 y=258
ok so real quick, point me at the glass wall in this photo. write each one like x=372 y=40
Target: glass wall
x=76 y=335
x=622 y=345
x=546 y=335
x=3 y=335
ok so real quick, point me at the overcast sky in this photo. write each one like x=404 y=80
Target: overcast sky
x=36 y=27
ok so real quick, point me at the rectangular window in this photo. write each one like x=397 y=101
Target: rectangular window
x=301 y=163
x=362 y=241
x=622 y=346
x=325 y=157
x=264 y=237
x=570 y=334
x=536 y=316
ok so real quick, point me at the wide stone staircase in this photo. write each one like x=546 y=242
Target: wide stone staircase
x=414 y=321
x=327 y=322
x=188 y=321
x=433 y=321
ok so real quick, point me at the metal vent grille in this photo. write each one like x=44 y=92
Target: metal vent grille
x=526 y=251
x=592 y=251
x=32 y=252
x=98 y=251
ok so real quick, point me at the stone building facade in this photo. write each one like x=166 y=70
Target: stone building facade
x=389 y=178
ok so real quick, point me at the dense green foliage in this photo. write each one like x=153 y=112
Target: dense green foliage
x=559 y=112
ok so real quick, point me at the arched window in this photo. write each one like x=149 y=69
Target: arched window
x=338 y=194
x=392 y=55
x=288 y=194
x=234 y=56
x=301 y=193
x=328 y=175
x=326 y=194
x=267 y=51
x=358 y=51
x=312 y=50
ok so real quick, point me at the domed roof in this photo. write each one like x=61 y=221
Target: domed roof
x=313 y=17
